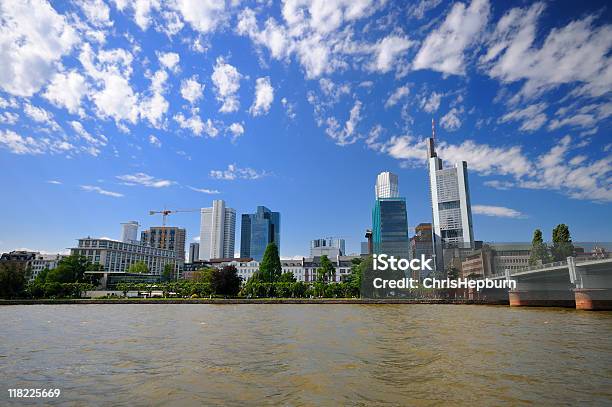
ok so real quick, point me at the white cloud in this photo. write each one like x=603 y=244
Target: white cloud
x=289 y=108
x=236 y=129
x=193 y=123
x=443 y=49
x=226 y=81
x=451 y=120
x=91 y=188
x=497 y=211
x=532 y=117
x=576 y=53
x=33 y=39
x=345 y=135
x=143 y=179
x=396 y=96
x=432 y=103
x=264 y=96
x=169 y=60
x=204 y=190
x=18 y=144
x=9 y=118
x=155 y=141
x=388 y=50
x=142 y=10
x=588 y=116
x=94 y=143
x=54 y=182
x=97 y=12
x=203 y=16
x=191 y=89
x=40 y=115
x=234 y=172
x=273 y=36
x=154 y=107
x=66 y=90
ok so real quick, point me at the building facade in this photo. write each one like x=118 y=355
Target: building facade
x=386 y=185
x=117 y=257
x=390 y=228
x=217 y=231
x=129 y=231
x=450 y=203
x=194 y=252
x=166 y=237
x=509 y=256
x=330 y=247
x=257 y=231
x=44 y=261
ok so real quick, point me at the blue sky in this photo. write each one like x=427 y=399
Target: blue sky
x=111 y=109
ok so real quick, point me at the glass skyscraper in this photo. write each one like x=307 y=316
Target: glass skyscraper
x=390 y=228
x=257 y=230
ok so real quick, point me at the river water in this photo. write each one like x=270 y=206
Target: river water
x=305 y=355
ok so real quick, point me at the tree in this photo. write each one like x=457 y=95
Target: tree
x=562 y=242
x=354 y=279
x=539 y=251
x=287 y=277
x=139 y=267
x=168 y=273
x=226 y=281
x=12 y=280
x=327 y=271
x=270 y=268
x=71 y=269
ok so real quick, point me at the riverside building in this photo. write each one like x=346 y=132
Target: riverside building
x=217 y=231
x=330 y=247
x=257 y=231
x=450 y=203
x=117 y=257
x=389 y=219
x=166 y=237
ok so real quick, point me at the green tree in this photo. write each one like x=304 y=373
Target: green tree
x=71 y=269
x=562 y=242
x=226 y=281
x=327 y=271
x=168 y=273
x=270 y=268
x=139 y=267
x=354 y=279
x=539 y=250
x=287 y=277
x=12 y=280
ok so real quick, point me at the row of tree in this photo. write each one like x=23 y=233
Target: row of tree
x=560 y=249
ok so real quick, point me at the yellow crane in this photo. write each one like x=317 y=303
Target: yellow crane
x=166 y=212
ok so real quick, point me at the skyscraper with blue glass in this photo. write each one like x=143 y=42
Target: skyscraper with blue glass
x=389 y=219
x=257 y=230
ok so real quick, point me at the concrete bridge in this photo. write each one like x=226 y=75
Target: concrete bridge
x=584 y=282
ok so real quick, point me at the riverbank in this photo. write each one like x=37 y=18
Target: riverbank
x=222 y=301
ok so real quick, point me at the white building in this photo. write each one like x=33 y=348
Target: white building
x=129 y=231
x=450 y=203
x=386 y=185
x=330 y=247
x=304 y=269
x=42 y=262
x=217 y=231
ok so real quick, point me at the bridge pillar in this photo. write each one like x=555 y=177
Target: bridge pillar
x=540 y=298
x=593 y=290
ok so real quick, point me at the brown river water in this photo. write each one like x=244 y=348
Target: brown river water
x=306 y=355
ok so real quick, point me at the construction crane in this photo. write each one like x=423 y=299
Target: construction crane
x=167 y=212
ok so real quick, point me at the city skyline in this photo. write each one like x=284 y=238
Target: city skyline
x=131 y=111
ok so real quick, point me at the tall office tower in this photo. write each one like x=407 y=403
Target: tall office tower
x=194 y=252
x=217 y=231
x=129 y=231
x=450 y=204
x=386 y=185
x=257 y=230
x=166 y=237
x=389 y=219
x=331 y=247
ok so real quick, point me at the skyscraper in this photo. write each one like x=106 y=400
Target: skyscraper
x=129 y=231
x=217 y=231
x=194 y=252
x=166 y=237
x=389 y=219
x=257 y=230
x=386 y=185
x=450 y=204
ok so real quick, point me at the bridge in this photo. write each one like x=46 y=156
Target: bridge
x=583 y=282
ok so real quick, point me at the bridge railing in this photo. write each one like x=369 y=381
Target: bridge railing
x=577 y=260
